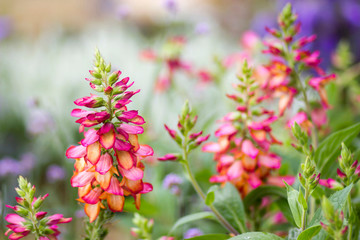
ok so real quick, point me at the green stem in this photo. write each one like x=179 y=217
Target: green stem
x=34 y=222
x=202 y=195
x=303 y=222
x=350 y=212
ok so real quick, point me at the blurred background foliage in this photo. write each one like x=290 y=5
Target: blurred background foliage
x=46 y=49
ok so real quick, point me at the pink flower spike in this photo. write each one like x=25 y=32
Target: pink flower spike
x=171 y=132
x=168 y=157
x=340 y=173
x=76 y=151
x=249 y=149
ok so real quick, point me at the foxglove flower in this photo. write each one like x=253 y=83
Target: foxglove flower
x=242 y=150
x=108 y=164
x=28 y=217
x=290 y=57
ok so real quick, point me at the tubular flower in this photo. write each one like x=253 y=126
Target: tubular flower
x=28 y=217
x=108 y=163
x=242 y=150
x=289 y=59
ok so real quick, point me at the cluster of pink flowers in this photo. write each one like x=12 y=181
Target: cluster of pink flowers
x=97 y=175
x=171 y=59
x=18 y=224
x=28 y=217
x=242 y=150
x=289 y=58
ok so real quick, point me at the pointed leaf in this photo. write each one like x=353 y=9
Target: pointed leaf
x=210 y=237
x=191 y=218
x=338 y=200
x=294 y=204
x=329 y=149
x=229 y=203
x=256 y=236
x=309 y=233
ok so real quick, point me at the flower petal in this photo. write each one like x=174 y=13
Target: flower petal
x=93 y=152
x=92 y=211
x=104 y=164
x=76 y=151
x=116 y=202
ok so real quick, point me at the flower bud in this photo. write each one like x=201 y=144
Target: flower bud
x=114 y=77
x=170 y=157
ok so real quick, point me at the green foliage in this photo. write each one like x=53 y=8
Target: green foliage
x=338 y=201
x=229 y=203
x=329 y=150
x=192 y=217
x=256 y=236
x=211 y=237
x=295 y=206
x=309 y=233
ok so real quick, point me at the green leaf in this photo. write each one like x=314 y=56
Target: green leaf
x=338 y=200
x=263 y=191
x=302 y=201
x=256 y=236
x=229 y=203
x=210 y=197
x=283 y=204
x=309 y=233
x=329 y=149
x=191 y=218
x=210 y=237
x=294 y=204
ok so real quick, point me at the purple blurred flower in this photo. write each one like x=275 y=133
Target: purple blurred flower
x=55 y=173
x=193 y=232
x=122 y=11
x=80 y=213
x=10 y=166
x=39 y=121
x=5 y=27
x=172 y=182
x=27 y=161
x=202 y=28
x=171 y=5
